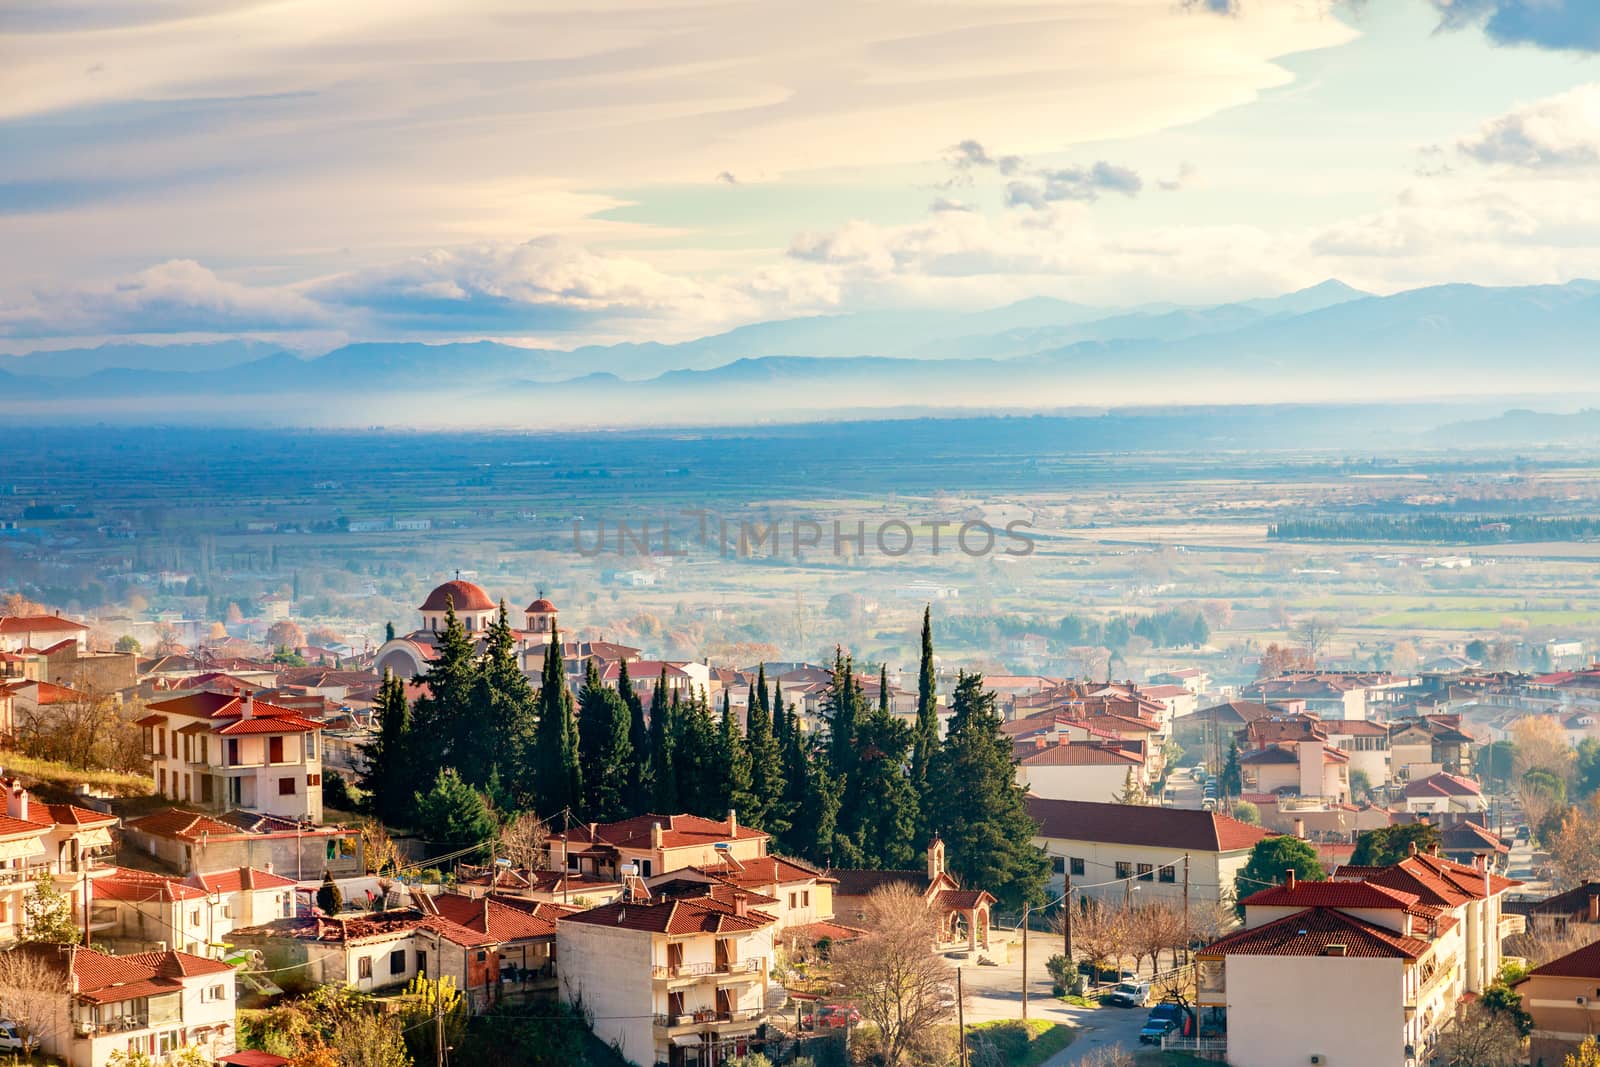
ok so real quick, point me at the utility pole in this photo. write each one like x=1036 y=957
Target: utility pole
x=961 y=1018
x=1025 y=910
x=1186 y=927
x=566 y=834
x=438 y=1023
x=1066 y=921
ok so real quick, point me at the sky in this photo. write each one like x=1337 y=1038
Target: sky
x=560 y=173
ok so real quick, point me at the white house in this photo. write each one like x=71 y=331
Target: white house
x=197 y=914
x=681 y=982
x=1141 y=852
x=1078 y=770
x=19 y=632
x=228 y=750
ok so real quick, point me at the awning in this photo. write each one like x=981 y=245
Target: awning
x=21 y=850
x=686 y=1040
x=95 y=837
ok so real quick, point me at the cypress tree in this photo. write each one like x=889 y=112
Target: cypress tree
x=886 y=818
x=388 y=631
x=503 y=726
x=797 y=766
x=925 y=735
x=766 y=763
x=605 y=752
x=979 y=807
x=842 y=711
x=663 y=775
x=452 y=813
x=387 y=776
x=557 y=782
x=638 y=741
x=780 y=715
x=695 y=757
x=734 y=761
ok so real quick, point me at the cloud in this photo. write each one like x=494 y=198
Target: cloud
x=945 y=203
x=1215 y=7
x=727 y=178
x=1048 y=186
x=179 y=296
x=1559 y=25
x=969 y=154
x=1561 y=131
x=546 y=284
x=1186 y=174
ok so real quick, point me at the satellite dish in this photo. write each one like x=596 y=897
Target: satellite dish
x=722 y=846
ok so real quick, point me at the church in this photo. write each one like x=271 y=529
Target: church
x=408 y=655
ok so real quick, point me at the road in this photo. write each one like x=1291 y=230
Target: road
x=996 y=993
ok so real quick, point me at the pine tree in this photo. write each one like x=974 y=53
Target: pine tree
x=733 y=759
x=780 y=715
x=452 y=813
x=663 y=774
x=557 y=782
x=815 y=837
x=886 y=820
x=638 y=744
x=443 y=714
x=925 y=735
x=388 y=774
x=842 y=710
x=605 y=752
x=1132 y=791
x=695 y=757
x=329 y=897
x=504 y=726
x=766 y=763
x=797 y=769
x=978 y=805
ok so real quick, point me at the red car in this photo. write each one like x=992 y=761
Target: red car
x=831 y=1017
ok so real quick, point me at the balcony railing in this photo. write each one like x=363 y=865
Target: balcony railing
x=17 y=875
x=120 y=1024
x=707 y=1017
x=705 y=969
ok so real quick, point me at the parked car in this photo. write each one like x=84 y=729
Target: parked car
x=831 y=1017
x=11 y=1041
x=1163 y=1020
x=1129 y=994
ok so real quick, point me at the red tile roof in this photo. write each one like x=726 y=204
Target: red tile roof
x=1583 y=963
x=1137 y=824
x=1076 y=755
x=462 y=596
x=704 y=916
x=832 y=931
x=1311 y=932
x=1333 y=895
x=175 y=822
x=677 y=831
x=243 y=878
x=10 y=827
x=249 y=1057
x=32 y=624
x=1443 y=785
x=767 y=870
x=1437 y=880
x=72 y=815
x=142 y=887
x=287 y=723
x=504 y=919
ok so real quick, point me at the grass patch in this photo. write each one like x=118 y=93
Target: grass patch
x=1152 y=1058
x=61 y=778
x=1077 y=1001
x=1022 y=1044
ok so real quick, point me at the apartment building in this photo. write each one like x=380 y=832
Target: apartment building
x=64 y=843
x=198 y=914
x=652 y=845
x=1563 y=996
x=681 y=981
x=191 y=842
x=218 y=751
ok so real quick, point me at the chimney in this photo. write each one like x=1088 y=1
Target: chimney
x=733 y=823
x=486 y=913
x=1411 y=849
x=247 y=706
x=741 y=904
x=655 y=834
x=18 y=807
x=1594 y=908
x=1289 y=878
x=594 y=832
x=1300 y=827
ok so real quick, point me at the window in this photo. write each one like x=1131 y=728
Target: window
x=794 y=900
x=214 y=992
x=364 y=967
x=286 y=787
x=274 y=750
x=1058 y=864
x=805 y=898
x=1075 y=864
x=206 y=790
x=194 y=917
x=1169 y=873
x=287 y=903
x=227 y=911
x=233 y=752
x=644 y=868
x=311 y=746
x=161 y=781
x=397 y=961
x=1147 y=873
x=313 y=779
x=422 y=963
x=1124 y=869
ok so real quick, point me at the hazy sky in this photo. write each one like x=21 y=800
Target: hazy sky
x=563 y=172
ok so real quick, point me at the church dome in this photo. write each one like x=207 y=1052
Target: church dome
x=540 y=607
x=464 y=596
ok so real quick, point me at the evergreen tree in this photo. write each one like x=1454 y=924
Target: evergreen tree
x=815 y=836
x=925 y=735
x=443 y=714
x=797 y=769
x=733 y=759
x=452 y=813
x=388 y=631
x=605 y=752
x=388 y=773
x=695 y=753
x=766 y=763
x=504 y=727
x=329 y=897
x=639 y=750
x=663 y=774
x=780 y=715
x=886 y=820
x=842 y=709
x=978 y=805
x=557 y=783
x=1232 y=776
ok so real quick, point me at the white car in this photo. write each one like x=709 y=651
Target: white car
x=11 y=1041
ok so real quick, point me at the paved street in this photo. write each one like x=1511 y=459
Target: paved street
x=996 y=993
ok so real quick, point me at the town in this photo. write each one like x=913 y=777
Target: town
x=499 y=830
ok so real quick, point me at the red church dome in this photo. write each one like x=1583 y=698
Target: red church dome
x=463 y=595
x=540 y=607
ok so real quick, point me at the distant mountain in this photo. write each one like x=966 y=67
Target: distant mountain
x=1327 y=343
x=79 y=362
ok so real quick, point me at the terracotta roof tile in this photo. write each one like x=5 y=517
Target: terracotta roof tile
x=1311 y=932
x=1135 y=824
x=1583 y=963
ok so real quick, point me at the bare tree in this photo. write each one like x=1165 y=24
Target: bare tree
x=377 y=847
x=79 y=731
x=1539 y=945
x=1101 y=933
x=1575 y=847
x=1314 y=633
x=1541 y=745
x=523 y=840
x=892 y=973
x=1479 y=1037
x=33 y=991
x=1112 y=1056
x=1153 y=929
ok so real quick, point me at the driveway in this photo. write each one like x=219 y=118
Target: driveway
x=996 y=993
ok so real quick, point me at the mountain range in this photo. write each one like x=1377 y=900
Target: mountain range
x=1329 y=342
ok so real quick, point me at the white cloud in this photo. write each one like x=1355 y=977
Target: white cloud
x=179 y=296
x=1561 y=131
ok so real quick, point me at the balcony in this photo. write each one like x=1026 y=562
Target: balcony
x=120 y=1024
x=693 y=1020
x=705 y=969
x=22 y=875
